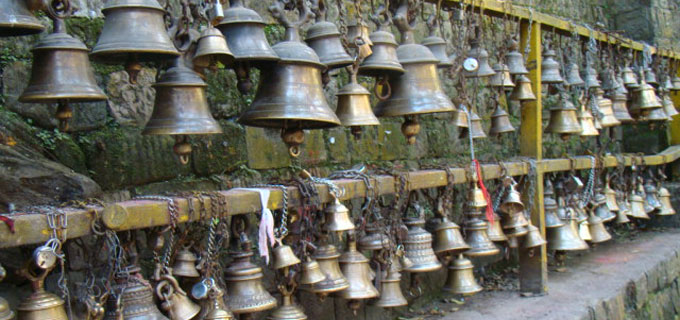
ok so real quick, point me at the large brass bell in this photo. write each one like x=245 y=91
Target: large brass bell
x=17 y=19
x=610 y=197
x=211 y=49
x=324 y=38
x=522 y=91
x=550 y=68
x=181 y=108
x=135 y=299
x=573 y=76
x=598 y=232
x=244 y=284
x=418 y=247
x=563 y=120
x=514 y=221
x=533 y=238
x=355 y=266
x=566 y=237
x=514 y=59
x=61 y=73
x=637 y=209
x=500 y=122
x=495 y=231
x=284 y=257
x=185 y=264
x=327 y=257
x=311 y=273
x=501 y=78
x=354 y=107
x=383 y=61
x=478 y=240
x=134 y=32
x=460 y=278
x=40 y=304
x=605 y=106
x=448 y=239
x=620 y=105
x=337 y=217
x=585 y=118
x=390 y=290
x=666 y=206
x=174 y=301
x=654 y=116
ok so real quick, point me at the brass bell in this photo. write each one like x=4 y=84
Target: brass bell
x=622 y=202
x=218 y=310
x=61 y=73
x=566 y=238
x=390 y=290
x=646 y=205
x=621 y=218
x=563 y=120
x=651 y=195
x=17 y=19
x=337 y=217
x=522 y=91
x=585 y=118
x=650 y=77
x=551 y=218
x=584 y=230
x=475 y=130
x=211 y=49
x=354 y=107
x=448 y=238
x=40 y=304
x=185 y=264
x=676 y=83
x=637 y=209
x=135 y=300
x=654 y=116
x=482 y=56
x=515 y=225
x=181 y=108
x=550 y=68
x=668 y=105
x=174 y=301
x=629 y=77
x=383 y=61
x=601 y=208
x=573 y=76
x=460 y=120
x=460 y=278
x=284 y=257
x=533 y=238
x=598 y=232
x=244 y=284
x=500 y=122
x=666 y=205
x=478 y=239
x=355 y=266
x=373 y=240
x=514 y=221
x=501 y=78
x=605 y=105
x=515 y=60
x=327 y=257
x=288 y=310
x=512 y=201
x=134 y=32
x=608 y=79
x=311 y=273
x=418 y=247
x=324 y=38
x=644 y=100
x=494 y=230
x=5 y=312
x=437 y=46
x=610 y=197
x=590 y=78
x=620 y=105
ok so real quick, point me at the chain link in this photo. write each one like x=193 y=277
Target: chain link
x=173 y=211
x=588 y=190
x=57 y=221
x=282 y=230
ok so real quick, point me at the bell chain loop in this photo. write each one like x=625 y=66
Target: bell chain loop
x=172 y=212
x=58 y=223
x=588 y=191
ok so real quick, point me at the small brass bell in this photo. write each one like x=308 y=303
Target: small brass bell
x=175 y=301
x=585 y=118
x=494 y=230
x=601 y=208
x=438 y=47
x=644 y=100
x=591 y=78
x=514 y=221
x=610 y=196
x=651 y=195
x=373 y=240
x=136 y=299
x=418 y=247
x=563 y=120
x=598 y=232
x=327 y=257
x=668 y=105
x=40 y=304
x=61 y=73
x=501 y=78
x=650 y=77
x=629 y=77
x=500 y=122
x=284 y=257
x=515 y=60
x=461 y=279
x=211 y=49
x=566 y=238
x=637 y=209
x=621 y=218
x=482 y=56
x=573 y=77
x=5 y=312
x=523 y=91
x=17 y=19
x=478 y=240
x=354 y=107
x=448 y=238
x=355 y=266
x=218 y=310
x=324 y=38
x=654 y=116
x=608 y=80
x=311 y=273
x=383 y=61
x=584 y=230
x=551 y=218
x=337 y=217
x=605 y=105
x=390 y=290
x=244 y=285
x=475 y=130
x=244 y=30
x=512 y=201
x=134 y=32
x=534 y=238
x=288 y=310
x=676 y=83
x=622 y=202
x=666 y=205
x=460 y=120
x=550 y=68
x=620 y=105
x=185 y=264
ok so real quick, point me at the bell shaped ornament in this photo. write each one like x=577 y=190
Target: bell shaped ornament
x=391 y=295
x=573 y=76
x=475 y=130
x=17 y=19
x=460 y=120
x=185 y=264
x=134 y=32
x=448 y=239
x=354 y=107
x=591 y=79
x=61 y=73
x=494 y=230
x=383 y=61
x=584 y=230
x=644 y=100
x=620 y=105
x=218 y=310
x=244 y=30
x=601 y=209
x=566 y=238
x=284 y=257
x=311 y=273
x=665 y=200
x=533 y=238
x=211 y=49
x=515 y=225
x=438 y=47
x=480 y=55
x=651 y=195
x=247 y=294
x=522 y=91
x=605 y=106
x=501 y=78
x=355 y=266
x=630 y=79
x=174 y=301
x=288 y=310
x=668 y=105
x=650 y=77
x=418 y=247
x=40 y=304
x=477 y=238
x=324 y=37
x=598 y=232
x=327 y=257
x=460 y=278
x=550 y=68
x=515 y=60
x=512 y=201
x=500 y=122
x=585 y=118
x=610 y=197
x=337 y=217
x=136 y=299
x=637 y=209
x=563 y=120
x=551 y=218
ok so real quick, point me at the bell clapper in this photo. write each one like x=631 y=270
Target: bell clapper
x=382 y=88
x=133 y=67
x=356 y=132
x=182 y=148
x=560 y=261
x=293 y=138
x=410 y=129
x=64 y=114
x=243 y=76
x=415 y=290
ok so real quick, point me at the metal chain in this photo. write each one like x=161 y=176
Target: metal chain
x=358 y=173
x=499 y=196
x=527 y=46
x=58 y=223
x=173 y=213
x=588 y=190
x=333 y=188
x=282 y=230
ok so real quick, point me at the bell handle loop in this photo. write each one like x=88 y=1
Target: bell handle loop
x=294 y=151
x=319 y=9
x=383 y=89
x=184 y=159
x=304 y=16
x=59 y=10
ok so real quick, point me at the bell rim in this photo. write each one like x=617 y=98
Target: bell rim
x=375 y=69
x=27 y=28
x=121 y=55
x=28 y=97
x=143 y=4
x=406 y=54
x=248 y=16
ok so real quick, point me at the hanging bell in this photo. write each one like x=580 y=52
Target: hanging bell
x=284 y=257
x=460 y=120
x=327 y=257
x=621 y=218
x=590 y=78
x=514 y=221
x=135 y=301
x=211 y=49
x=622 y=202
x=608 y=80
x=605 y=106
x=354 y=107
x=515 y=225
x=460 y=278
x=563 y=120
x=185 y=264
x=651 y=195
x=620 y=105
x=437 y=46
x=666 y=205
x=311 y=273
x=482 y=57
x=534 y=238
x=584 y=230
x=668 y=105
x=676 y=83
x=494 y=230
x=650 y=77
x=324 y=38
x=512 y=201
x=61 y=73
x=373 y=240
x=390 y=289
x=573 y=77
x=515 y=60
x=244 y=30
x=181 y=108
x=629 y=77
x=644 y=100
x=551 y=218
x=418 y=247
x=174 y=301
x=598 y=232
x=500 y=122
x=337 y=217
x=244 y=285
x=523 y=91
x=501 y=78
x=566 y=238
x=601 y=208
x=478 y=240
x=383 y=61
x=355 y=266
x=585 y=118
x=654 y=116
x=5 y=312
x=475 y=130
x=134 y=32
x=610 y=197
x=448 y=238
x=218 y=310
x=40 y=304
x=637 y=208
x=17 y=19
x=550 y=68
x=288 y=310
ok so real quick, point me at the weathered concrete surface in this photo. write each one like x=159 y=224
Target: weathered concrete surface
x=624 y=280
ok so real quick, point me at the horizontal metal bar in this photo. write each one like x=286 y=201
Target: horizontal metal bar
x=139 y=214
